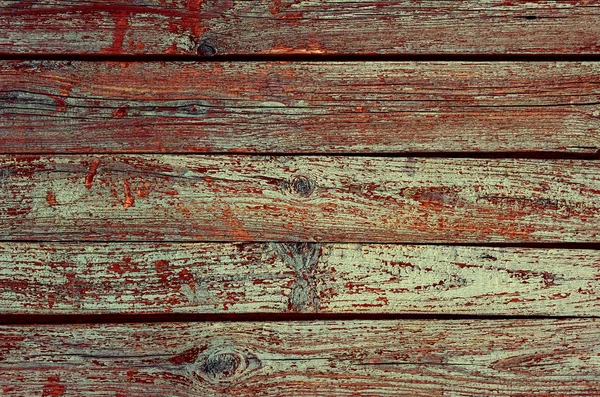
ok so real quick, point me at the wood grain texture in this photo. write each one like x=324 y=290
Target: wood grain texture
x=299 y=27
x=302 y=198
x=304 y=107
x=336 y=199
x=296 y=277
x=333 y=358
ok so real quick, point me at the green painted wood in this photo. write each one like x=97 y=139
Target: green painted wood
x=312 y=358
x=222 y=278
x=310 y=198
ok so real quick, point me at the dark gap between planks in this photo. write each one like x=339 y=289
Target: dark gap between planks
x=592 y=154
x=306 y=58
x=22 y=319
x=565 y=246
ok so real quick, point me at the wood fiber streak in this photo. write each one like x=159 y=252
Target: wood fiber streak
x=281 y=198
x=316 y=358
x=304 y=107
x=225 y=27
x=296 y=277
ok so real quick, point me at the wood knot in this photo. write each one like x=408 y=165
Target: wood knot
x=303 y=258
x=302 y=186
x=224 y=365
x=206 y=49
x=219 y=365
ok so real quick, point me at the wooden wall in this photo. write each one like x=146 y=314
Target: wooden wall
x=299 y=198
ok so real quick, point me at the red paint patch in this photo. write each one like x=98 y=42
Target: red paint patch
x=187 y=357
x=61 y=105
x=143 y=191
x=129 y=200
x=121 y=19
x=120 y=112
x=163 y=270
x=52 y=388
x=51 y=198
x=400 y=264
x=18 y=211
x=89 y=178
x=185 y=275
x=116 y=267
x=127 y=265
x=51 y=301
x=193 y=17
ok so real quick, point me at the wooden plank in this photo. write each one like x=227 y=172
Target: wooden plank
x=296 y=277
x=302 y=198
x=333 y=107
x=317 y=358
x=299 y=27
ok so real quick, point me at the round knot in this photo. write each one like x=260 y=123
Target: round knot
x=302 y=185
x=206 y=49
x=224 y=365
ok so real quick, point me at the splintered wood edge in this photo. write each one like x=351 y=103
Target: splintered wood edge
x=316 y=358
x=299 y=107
x=299 y=28
x=78 y=278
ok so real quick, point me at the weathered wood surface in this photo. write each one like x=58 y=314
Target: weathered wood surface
x=344 y=107
x=333 y=358
x=299 y=27
x=296 y=277
x=301 y=198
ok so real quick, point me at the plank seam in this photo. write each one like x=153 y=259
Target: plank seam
x=543 y=57
x=18 y=319
x=592 y=154
x=565 y=246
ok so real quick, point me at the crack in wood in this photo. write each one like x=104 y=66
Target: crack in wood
x=542 y=203
x=72 y=106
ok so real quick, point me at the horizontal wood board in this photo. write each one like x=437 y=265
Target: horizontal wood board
x=80 y=278
x=316 y=358
x=240 y=27
x=301 y=198
x=299 y=107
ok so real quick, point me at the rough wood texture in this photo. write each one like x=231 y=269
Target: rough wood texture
x=334 y=358
x=49 y=106
x=299 y=27
x=326 y=198
x=296 y=277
